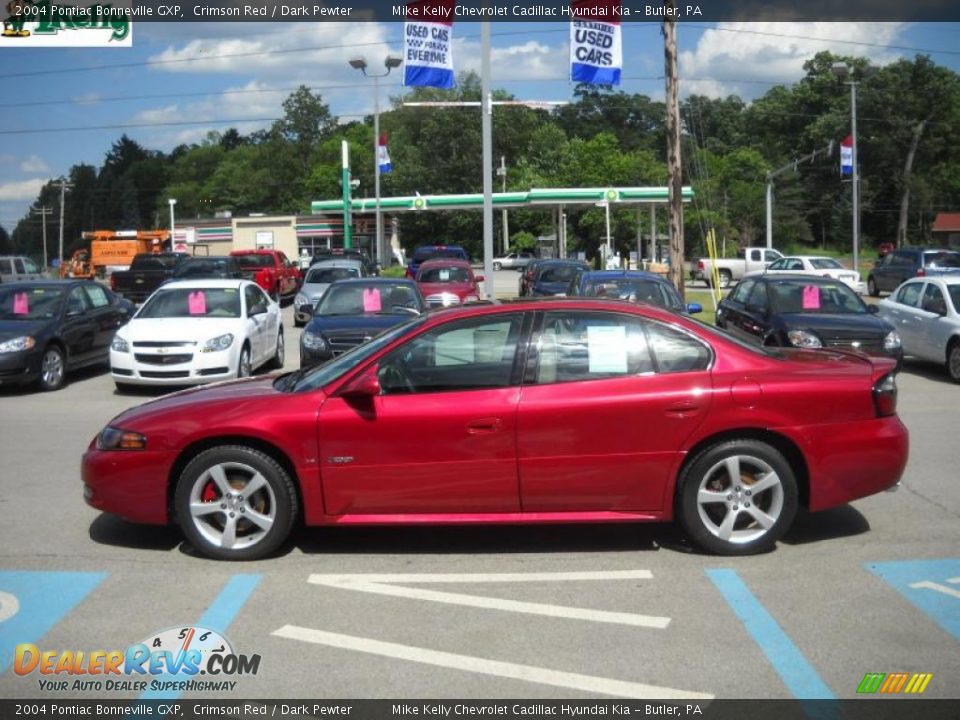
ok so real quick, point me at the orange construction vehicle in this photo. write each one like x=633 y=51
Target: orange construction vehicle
x=113 y=249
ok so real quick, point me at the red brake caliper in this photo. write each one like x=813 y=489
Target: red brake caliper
x=209 y=493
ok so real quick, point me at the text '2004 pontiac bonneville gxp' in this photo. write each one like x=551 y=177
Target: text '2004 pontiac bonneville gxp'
x=557 y=411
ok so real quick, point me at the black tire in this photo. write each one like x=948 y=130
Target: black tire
x=872 y=287
x=276 y=295
x=298 y=324
x=276 y=362
x=275 y=500
x=244 y=368
x=123 y=387
x=730 y=513
x=53 y=369
x=953 y=360
x=726 y=277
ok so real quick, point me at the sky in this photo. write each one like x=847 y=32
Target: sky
x=178 y=81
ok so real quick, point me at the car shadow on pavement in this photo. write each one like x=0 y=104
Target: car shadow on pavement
x=838 y=522
x=111 y=530
x=493 y=539
x=927 y=370
x=73 y=377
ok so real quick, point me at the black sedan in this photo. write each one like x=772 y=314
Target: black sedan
x=50 y=327
x=353 y=311
x=807 y=312
x=552 y=277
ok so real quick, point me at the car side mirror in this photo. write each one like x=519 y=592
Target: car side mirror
x=478 y=278
x=365 y=385
x=694 y=308
x=260 y=309
x=873 y=309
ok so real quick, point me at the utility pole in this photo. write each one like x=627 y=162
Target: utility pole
x=674 y=168
x=64 y=186
x=828 y=150
x=43 y=211
x=486 y=131
x=502 y=172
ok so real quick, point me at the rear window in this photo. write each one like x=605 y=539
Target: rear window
x=428 y=253
x=153 y=262
x=330 y=274
x=444 y=275
x=941 y=259
x=254 y=261
x=634 y=290
x=558 y=273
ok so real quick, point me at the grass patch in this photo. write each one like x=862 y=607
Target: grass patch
x=394 y=271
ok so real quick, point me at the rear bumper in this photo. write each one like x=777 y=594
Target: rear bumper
x=866 y=458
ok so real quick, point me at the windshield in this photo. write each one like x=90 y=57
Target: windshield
x=30 y=303
x=359 y=299
x=255 y=261
x=826 y=264
x=444 y=275
x=330 y=274
x=634 y=290
x=798 y=296
x=328 y=372
x=192 y=303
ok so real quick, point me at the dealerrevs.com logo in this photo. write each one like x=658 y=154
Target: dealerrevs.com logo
x=46 y=23
x=182 y=659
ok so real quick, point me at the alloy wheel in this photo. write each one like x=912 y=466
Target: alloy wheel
x=739 y=499
x=232 y=506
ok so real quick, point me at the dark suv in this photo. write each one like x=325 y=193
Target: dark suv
x=905 y=263
x=433 y=252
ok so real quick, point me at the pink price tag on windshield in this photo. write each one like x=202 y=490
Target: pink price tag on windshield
x=811 y=297
x=21 y=305
x=371 y=300
x=197 y=303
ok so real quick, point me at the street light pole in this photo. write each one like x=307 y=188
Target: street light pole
x=502 y=172
x=360 y=63
x=63 y=191
x=173 y=225
x=856 y=175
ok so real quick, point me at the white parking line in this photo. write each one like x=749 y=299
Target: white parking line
x=386 y=585
x=9 y=606
x=528 y=673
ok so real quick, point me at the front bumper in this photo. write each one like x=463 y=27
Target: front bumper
x=129 y=483
x=19 y=368
x=200 y=368
x=309 y=358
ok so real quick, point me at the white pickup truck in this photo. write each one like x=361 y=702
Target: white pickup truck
x=749 y=259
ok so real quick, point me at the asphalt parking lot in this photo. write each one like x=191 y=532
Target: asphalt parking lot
x=530 y=612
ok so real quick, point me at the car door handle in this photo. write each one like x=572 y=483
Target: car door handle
x=484 y=425
x=682 y=406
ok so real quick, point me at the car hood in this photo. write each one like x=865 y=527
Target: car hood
x=370 y=323
x=10 y=329
x=459 y=288
x=826 y=322
x=178 y=329
x=313 y=291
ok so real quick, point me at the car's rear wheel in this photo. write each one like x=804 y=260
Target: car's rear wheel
x=872 y=287
x=737 y=497
x=235 y=503
x=953 y=361
x=726 y=277
x=497 y=266
x=53 y=369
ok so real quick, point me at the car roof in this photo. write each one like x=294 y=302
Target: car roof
x=945 y=279
x=251 y=251
x=801 y=277
x=375 y=281
x=444 y=262
x=46 y=282
x=619 y=274
x=205 y=283
x=558 y=303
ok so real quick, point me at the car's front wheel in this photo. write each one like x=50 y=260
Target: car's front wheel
x=737 y=497
x=953 y=361
x=872 y=287
x=235 y=503
x=497 y=266
x=276 y=362
x=244 y=367
x=53 y=369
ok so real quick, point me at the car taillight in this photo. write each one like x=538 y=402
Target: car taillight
x=885 y=395
x=921 y=272
x=113 y=283
x=409 y=273
x=700 y=265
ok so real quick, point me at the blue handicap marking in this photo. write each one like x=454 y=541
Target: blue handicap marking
x=931 y=585
x=31 y=603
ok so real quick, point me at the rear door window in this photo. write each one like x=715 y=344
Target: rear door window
x=908 y=294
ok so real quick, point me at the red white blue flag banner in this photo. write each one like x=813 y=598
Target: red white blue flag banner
x=383 y=157
x=846 y=156
x=596 y=49
x=428 y=44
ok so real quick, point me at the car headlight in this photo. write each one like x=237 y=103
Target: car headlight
x=804 y=339
x=301 y=299
x=119 y=344
x=448 y=299
x=471 y=298
x=221 y=342
x=111 y=438
x=313 y=341
x=18 y=344
x=891 y=341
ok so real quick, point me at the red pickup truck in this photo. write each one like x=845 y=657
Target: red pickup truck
x=271 y=270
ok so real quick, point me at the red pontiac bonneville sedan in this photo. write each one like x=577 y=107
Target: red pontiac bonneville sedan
x=571 y=410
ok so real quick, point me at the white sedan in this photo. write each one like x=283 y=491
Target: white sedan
x=926 y=313
x=815 y=265
x=198 y=331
